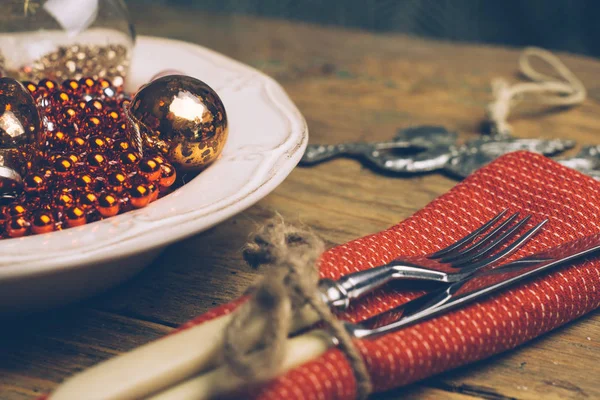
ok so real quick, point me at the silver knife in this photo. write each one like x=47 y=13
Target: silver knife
x=475 y=287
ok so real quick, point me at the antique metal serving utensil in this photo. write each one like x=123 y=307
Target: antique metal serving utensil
x=306 y=347
x=426 y=148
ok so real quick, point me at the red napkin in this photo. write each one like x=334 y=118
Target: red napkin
x=520 y=181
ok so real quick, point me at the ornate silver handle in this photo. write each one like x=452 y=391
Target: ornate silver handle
x=316 y=153
x=340 y=293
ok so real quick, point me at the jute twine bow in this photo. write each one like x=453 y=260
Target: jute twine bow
x=564 y=90
x=290 y=284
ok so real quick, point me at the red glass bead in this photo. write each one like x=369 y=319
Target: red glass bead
x=78 y=144
x=63 y=166
x=149 y=169
x=47 y=85
x=68 y=114
x=75 y=216
x=85 y=182
x=92 y=123
x=64 y=200
x=35 y=183
x=168 y=175
x=116 y=181
x=93 y=107
x=16 y=226
x=114 y=117
x=57 y=140
x=97 y=143
x=87 y=200
x=71 y=86
x=139 y=195
x=14 y=210
x=108 y=205
x=42 y=221
x=74 y=158
x=129 y=158
x=96 y=160
x=102 y=84
x=61 y=98
x=31 y=87
x=121 y=145
x=87 y=84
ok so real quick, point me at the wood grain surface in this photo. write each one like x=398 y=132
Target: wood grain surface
x=350 y=86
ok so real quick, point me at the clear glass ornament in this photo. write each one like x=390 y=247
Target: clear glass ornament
x=62 y=39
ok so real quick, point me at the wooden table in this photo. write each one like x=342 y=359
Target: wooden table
x=350 y=85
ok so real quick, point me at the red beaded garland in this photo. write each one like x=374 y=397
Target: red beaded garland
x=86 y=169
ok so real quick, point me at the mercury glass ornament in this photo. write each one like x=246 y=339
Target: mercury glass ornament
x=181 y=118
x=65 y=39
x=20 y=128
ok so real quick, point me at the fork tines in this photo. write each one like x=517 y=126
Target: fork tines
x=485 y=239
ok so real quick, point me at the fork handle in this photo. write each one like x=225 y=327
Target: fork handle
x=339 y=294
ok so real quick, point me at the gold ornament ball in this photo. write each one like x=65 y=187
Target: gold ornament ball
x=182 y=118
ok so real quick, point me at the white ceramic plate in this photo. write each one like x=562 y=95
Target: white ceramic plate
x=267 y=138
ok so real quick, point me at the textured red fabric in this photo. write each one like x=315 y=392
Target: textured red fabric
x=519 y=181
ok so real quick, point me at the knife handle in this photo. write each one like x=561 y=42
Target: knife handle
x=221 y=382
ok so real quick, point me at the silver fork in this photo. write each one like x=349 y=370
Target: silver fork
x=451 y=264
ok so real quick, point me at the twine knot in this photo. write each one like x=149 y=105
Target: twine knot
x=290 y=253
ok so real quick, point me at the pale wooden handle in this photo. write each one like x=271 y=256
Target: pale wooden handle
x=162 y=363
x=222 y=381
x=148 y=368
